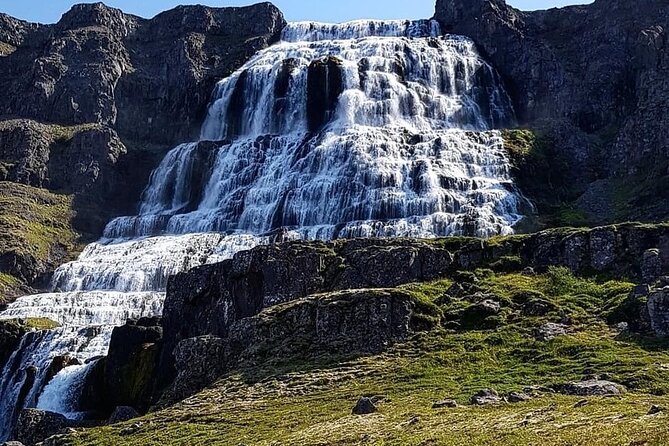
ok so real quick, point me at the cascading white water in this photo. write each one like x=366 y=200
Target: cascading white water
x=109 y=284
x=343 y=131
x=369 y=128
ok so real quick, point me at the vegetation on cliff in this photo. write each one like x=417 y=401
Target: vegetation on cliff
x=36 y=235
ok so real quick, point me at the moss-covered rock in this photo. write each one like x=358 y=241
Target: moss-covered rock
x=36 y=235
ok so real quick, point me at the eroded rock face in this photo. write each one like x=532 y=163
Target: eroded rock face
x=99 y=65
x=208 y=300
x=341 y=323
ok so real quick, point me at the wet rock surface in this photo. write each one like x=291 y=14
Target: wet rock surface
x=210 y=305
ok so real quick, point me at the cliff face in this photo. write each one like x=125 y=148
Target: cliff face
x=89 y=105
x=141 y=86
x=592 y=80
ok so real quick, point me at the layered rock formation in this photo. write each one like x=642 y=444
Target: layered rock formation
x=591 y=80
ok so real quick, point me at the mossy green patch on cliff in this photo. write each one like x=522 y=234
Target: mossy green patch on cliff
x=539 y=170
x=35 y=231
x=61 y=133
x=34 y=220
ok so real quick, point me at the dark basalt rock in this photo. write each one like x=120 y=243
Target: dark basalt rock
x=131 y=363
x=11 y=332
x=325 y=82
x=364 y=406
x=34 y=426
x=344 y=323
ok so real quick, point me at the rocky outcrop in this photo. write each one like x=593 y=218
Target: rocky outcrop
x=11 y=332
x=230 y=310
x=592 y=80
x=127 y=376
x=35 y=426
x=131 y=363
x=208 y=300
x=339 y=324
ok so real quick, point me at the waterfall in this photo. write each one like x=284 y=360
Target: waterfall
x=361 y=129
x=353 y=130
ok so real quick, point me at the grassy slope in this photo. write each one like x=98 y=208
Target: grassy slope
x=309 y=403
x=34 y=223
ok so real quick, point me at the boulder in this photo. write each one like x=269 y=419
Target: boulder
x=121 y=414
x=651 y=266
x=655 y=409
x=592 y=387
x=34 y=426
x=485 y=397
x=658 y=311
x=550 y=331
x=517 y=397
x=444 y=403
x=364 y=406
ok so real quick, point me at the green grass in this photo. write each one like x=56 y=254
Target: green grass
x=35 y=226
x=310 y=403
x=33 y=220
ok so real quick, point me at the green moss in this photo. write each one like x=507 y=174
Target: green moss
x=35 y=323
x=34 y=221
x=65 y=133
